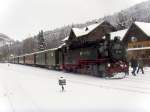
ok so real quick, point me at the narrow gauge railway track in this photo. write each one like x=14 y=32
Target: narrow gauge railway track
x=128 y=79
x=139 y=80
x=134 y=80
x=121 y=87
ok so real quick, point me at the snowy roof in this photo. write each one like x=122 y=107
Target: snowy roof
x=66 y=38
x=120 y=33
x=27 y=54
x=144 y=27
x=44 y=50
x=86 y=30
x=56 y=47
x=61 y=45
x=141 y=48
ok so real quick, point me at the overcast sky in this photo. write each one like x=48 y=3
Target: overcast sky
x=23 y=18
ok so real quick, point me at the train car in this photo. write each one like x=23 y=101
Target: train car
x=29 y=59
x=11 y=60
x=54 y=58
x=40 y=58
x=21 y=59
x=51 y=58
x=16 y=60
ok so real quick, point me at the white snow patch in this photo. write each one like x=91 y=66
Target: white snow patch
x=120 y=33
x=144 y=27
x=31 y=89
x=65 y=39
x=86 y=30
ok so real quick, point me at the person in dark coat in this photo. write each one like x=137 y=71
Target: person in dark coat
x=134 y=65
x=140 y=65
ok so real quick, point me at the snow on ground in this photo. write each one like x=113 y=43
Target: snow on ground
x=32 y=89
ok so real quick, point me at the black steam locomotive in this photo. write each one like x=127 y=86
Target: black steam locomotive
x=102 y=58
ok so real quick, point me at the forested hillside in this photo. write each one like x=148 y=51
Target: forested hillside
x=120 y=20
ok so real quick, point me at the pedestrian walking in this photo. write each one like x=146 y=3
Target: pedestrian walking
x=140 y=65
x=134 y=65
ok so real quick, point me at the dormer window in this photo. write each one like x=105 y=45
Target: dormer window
x=133 y=39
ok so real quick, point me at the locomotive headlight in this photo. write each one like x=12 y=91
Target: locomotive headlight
x=108 y=65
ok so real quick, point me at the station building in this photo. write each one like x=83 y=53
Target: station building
x=137 y=40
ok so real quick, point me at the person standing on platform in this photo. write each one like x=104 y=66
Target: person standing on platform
x=134 y=65
x=140 y=65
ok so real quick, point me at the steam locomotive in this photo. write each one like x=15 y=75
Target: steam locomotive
x=99 y=58
x=102 y=58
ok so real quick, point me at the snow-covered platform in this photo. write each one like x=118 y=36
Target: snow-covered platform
x=31 y=89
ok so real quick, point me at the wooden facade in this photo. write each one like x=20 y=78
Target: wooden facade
x=136 y=32
x=143 y=53
x=139 y=44
x=136 y=37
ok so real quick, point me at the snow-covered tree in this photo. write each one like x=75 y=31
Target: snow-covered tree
x=41 y=41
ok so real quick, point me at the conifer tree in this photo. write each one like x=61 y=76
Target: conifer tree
x=41 y=41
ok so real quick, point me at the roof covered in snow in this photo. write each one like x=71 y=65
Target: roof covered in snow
x=53 y=49
x=65 y=39
x=145 y=27
x=86 y=30
x=38 y=52
x=120 y=33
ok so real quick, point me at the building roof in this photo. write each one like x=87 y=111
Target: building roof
x=38 y=52
x=53 y=49
x=65 y=39
x=145 y=27
x=120 y=33
x=86 y=30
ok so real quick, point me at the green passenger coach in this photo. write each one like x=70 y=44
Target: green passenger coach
x=40 y=58
x=53 y=58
